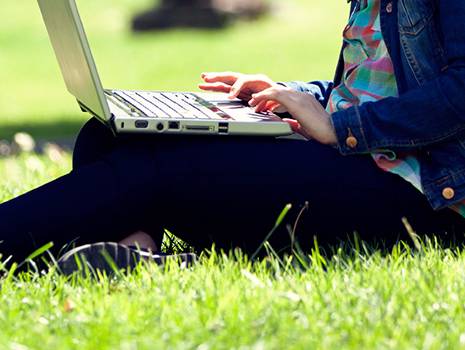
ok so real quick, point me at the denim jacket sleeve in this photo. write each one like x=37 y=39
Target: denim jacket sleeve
x=319 y=89
x=426 y=115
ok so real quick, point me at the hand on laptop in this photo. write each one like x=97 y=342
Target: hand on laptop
x=310 y=118
x=237 y=85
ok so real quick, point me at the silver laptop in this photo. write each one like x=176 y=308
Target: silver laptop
x=144 y=111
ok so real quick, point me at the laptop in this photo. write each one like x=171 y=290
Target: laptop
x=127 y=111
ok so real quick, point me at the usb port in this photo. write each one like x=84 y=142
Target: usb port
x=223 y=128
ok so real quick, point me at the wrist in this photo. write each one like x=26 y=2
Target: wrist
x=331 y=137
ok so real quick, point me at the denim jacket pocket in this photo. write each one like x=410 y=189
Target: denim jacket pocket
x=414 y=15
x=420 y=39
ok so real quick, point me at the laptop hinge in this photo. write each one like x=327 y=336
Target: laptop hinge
x=95 y=115
x=82 y=107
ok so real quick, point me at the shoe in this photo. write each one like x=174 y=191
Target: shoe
x=109 y=256
x=165 y=17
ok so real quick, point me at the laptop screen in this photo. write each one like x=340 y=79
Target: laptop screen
x=72 y=50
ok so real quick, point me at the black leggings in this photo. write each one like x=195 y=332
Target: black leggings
x=223 y=190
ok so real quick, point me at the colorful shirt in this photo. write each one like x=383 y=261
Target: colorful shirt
x=368 y=77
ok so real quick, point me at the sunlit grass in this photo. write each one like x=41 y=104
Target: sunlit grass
x=349 y=300
x=28 y=170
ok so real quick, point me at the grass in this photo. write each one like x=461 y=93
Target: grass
x=356 y=298
x=27 y=171
x=402 y=300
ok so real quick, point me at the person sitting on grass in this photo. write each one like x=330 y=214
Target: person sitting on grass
x=385 y=140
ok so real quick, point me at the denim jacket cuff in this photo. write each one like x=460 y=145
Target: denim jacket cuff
x=348 y=127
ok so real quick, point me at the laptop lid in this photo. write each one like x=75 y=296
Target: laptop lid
x=72 y=50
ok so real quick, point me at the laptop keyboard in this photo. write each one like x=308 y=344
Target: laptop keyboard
x=170 y=105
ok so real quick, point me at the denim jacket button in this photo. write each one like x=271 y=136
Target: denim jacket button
x=351 y=142
x=389 y=7
x=448 y=193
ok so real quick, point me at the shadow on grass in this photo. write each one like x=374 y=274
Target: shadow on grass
x=60 y=129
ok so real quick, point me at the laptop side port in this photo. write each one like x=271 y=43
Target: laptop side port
x=223 y=128
x=142 y=124
x=174 y=125
x=197 y=128
x=160 y=126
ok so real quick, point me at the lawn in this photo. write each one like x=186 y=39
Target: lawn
x=355 y=298
x=399 y=301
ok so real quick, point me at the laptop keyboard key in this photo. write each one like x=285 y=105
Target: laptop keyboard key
x=170 y=105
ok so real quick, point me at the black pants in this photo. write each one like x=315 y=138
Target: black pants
x=223 y=190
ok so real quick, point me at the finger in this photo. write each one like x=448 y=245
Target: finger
x=296 y=127
x=248 y=83
x=244 y=96
x=272 y=105
x=266 y=95
x=237 y=87
x=261 y=107
x=224 y=77
x=217 y=87
x=294 y=124
x=265 y=106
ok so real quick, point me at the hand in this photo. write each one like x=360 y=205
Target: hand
x=310 y=118
x=237 y=85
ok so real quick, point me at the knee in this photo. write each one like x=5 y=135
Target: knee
x=94 y=140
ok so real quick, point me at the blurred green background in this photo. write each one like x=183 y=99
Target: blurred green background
x=299 y=40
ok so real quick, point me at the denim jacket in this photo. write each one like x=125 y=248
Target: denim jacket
x=426 y=41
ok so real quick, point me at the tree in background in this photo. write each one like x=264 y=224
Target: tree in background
x=198 y=13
